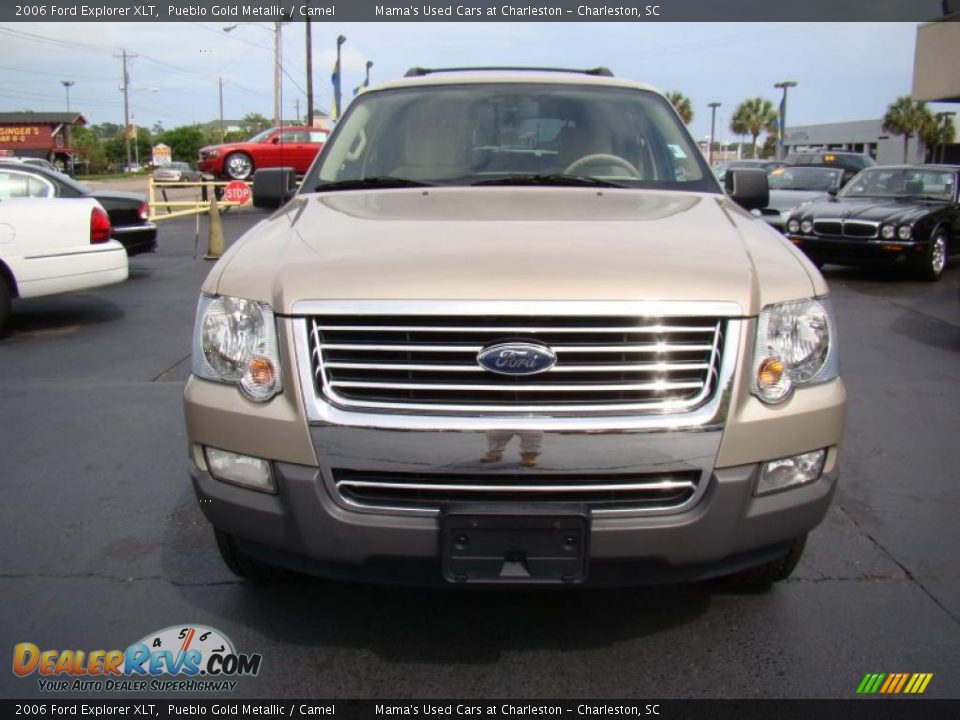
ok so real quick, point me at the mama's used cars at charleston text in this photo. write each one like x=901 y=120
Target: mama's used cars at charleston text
x=510 y=330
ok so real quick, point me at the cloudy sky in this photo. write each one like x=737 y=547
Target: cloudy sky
x=844 y=71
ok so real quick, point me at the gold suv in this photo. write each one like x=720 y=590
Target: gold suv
x=510 y=329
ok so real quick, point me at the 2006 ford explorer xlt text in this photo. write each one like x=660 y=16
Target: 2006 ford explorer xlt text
x=511 y=330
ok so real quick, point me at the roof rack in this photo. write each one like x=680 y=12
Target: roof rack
x=422 y=71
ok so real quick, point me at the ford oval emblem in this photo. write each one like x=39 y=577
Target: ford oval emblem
x=517 y=358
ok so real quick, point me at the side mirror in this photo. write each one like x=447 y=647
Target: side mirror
x=275 y=140
x=748 y=187
x=832 y=192
x=273 y=187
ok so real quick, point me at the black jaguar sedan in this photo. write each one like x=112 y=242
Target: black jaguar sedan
x=905 y=216
x=128 y=212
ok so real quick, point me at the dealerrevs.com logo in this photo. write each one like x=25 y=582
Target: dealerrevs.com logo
x=183 y=658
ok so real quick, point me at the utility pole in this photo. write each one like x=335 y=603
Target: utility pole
x=341 y=39
x=366 y=81
x=67 y=84
x=713 y=124
x=222 y=131
x=277 y=80
x=296 y=103
x=309 y=73
x=126 y=101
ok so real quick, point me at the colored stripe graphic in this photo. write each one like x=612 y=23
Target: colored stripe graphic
x=894 y=683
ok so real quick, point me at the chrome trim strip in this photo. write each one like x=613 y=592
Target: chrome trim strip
x=632 y=308
x=478 y=348
x=592 y=387
x=639 y=367
x=710 y=415
x=655 y=486
x=518 y=329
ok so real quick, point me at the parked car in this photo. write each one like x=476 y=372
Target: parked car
x=850 y=162
x=905 y=215
x=443 y=284
x=768 y=165
x=50 y=246
x=37 y=162
x=792 y=186
x=177 y=172
x=129 y=212
x=294 y=147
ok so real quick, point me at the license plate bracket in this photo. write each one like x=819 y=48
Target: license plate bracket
x=527 y=544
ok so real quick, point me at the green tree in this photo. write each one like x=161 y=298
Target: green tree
x=185 y=142
x=769 y=149
x=908 y=118
x=86 y=140
x=753 y=117
x=253 y=123
x=937 y=133
x=682 y=105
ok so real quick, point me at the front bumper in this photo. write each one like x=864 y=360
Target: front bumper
x=311 y=526
x=846 y=251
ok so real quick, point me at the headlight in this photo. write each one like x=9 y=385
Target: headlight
x=806 y=227
x=235 y=341
x=887 y=232
x=213 y=153
x=793 y=226
x=796 y=346
x=904 y=232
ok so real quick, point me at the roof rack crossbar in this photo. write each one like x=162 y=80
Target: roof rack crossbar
x=421 y=71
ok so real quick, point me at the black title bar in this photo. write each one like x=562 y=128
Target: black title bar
x=622 y=11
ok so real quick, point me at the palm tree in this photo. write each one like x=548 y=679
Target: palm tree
x=752 y=117
x=937 y=133
x=908 y=118
x=682 y=105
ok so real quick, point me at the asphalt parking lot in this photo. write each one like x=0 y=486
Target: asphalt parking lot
x=103 y=541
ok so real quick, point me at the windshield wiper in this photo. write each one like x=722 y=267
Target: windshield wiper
x=377 y=181
x=549 y=179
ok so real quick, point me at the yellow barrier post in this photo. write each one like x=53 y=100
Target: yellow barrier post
x=215 y=234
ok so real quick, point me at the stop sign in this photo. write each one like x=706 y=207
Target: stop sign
x=237 y=191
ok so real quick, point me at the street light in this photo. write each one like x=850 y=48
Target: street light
x=783 y=115
x=366 y=82
x=67 y=84
x=336 y=88
x=277 y=66
x=713 y=122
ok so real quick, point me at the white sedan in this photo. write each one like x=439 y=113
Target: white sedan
x=50 y=246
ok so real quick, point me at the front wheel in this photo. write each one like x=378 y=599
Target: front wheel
x=934 y=259
x=245 y=566
x=763 y=576
x=238 y=166
x=4 y=305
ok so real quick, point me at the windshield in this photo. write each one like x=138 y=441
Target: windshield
x=902 y=182
x=512 y=134
x=804 y=178
x=261 y=136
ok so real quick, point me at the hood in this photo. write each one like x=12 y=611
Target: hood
x=513 y=244
x=874 y=209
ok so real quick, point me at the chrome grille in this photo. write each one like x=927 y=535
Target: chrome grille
x=847 y=228
x=600 y=491
x=429 y=362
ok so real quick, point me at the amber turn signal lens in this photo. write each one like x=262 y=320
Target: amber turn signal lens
x=769 y=373
x=261 y=371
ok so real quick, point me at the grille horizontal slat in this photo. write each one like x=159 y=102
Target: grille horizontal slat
x=429 y=491
x=604 y=363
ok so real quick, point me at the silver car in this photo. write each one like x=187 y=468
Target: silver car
x=177 y=172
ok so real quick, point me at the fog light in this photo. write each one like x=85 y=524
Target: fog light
x=251 y=472
x=790 y=471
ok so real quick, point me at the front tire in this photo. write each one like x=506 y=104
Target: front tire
x=243 y=565
x=935 y=257
x=764 y=576
x=5 y=296
x=238 y=166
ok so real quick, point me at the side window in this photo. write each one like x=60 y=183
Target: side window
x=293 y=137
x=21 y=185
x=317 y=136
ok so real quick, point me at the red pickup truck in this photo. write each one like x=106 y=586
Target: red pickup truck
x=294 y=147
